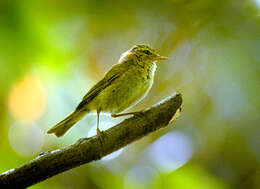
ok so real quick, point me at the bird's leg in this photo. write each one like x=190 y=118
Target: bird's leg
x=99 y=133
x=125 y=114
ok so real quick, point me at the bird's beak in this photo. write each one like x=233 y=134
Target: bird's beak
x=158 y=58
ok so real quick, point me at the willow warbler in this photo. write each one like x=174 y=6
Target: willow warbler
x=125 y=84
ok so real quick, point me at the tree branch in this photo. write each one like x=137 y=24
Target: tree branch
x=85 y=150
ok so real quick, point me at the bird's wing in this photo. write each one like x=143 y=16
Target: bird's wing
x=113 y=74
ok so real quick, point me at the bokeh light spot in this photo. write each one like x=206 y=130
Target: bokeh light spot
x=140 y=176
x=27 y=99
x=171 y=151
x=257 y=2
x=26 y=141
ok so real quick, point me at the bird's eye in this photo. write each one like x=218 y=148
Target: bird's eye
x=147 y=52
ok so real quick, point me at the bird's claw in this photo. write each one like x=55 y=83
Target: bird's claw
x=139 y=114
x=100 y=135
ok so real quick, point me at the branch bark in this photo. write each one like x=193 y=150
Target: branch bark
x=85 y=150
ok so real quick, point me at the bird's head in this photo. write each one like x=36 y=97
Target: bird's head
x=143 y=53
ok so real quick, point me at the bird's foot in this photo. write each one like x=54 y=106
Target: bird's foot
x=139 y=114
x=100 y=136
x=125 y=114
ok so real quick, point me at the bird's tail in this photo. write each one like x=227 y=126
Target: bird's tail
x=62 y=127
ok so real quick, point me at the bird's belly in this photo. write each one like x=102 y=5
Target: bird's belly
x=123 y=94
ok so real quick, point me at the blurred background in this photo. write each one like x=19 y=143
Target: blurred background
x=52 y=52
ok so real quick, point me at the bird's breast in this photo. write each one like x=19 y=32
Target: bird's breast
x=127 y=90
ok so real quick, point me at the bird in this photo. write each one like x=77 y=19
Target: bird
x=125 y=84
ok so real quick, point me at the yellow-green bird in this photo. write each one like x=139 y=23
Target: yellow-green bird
x=125 y=84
